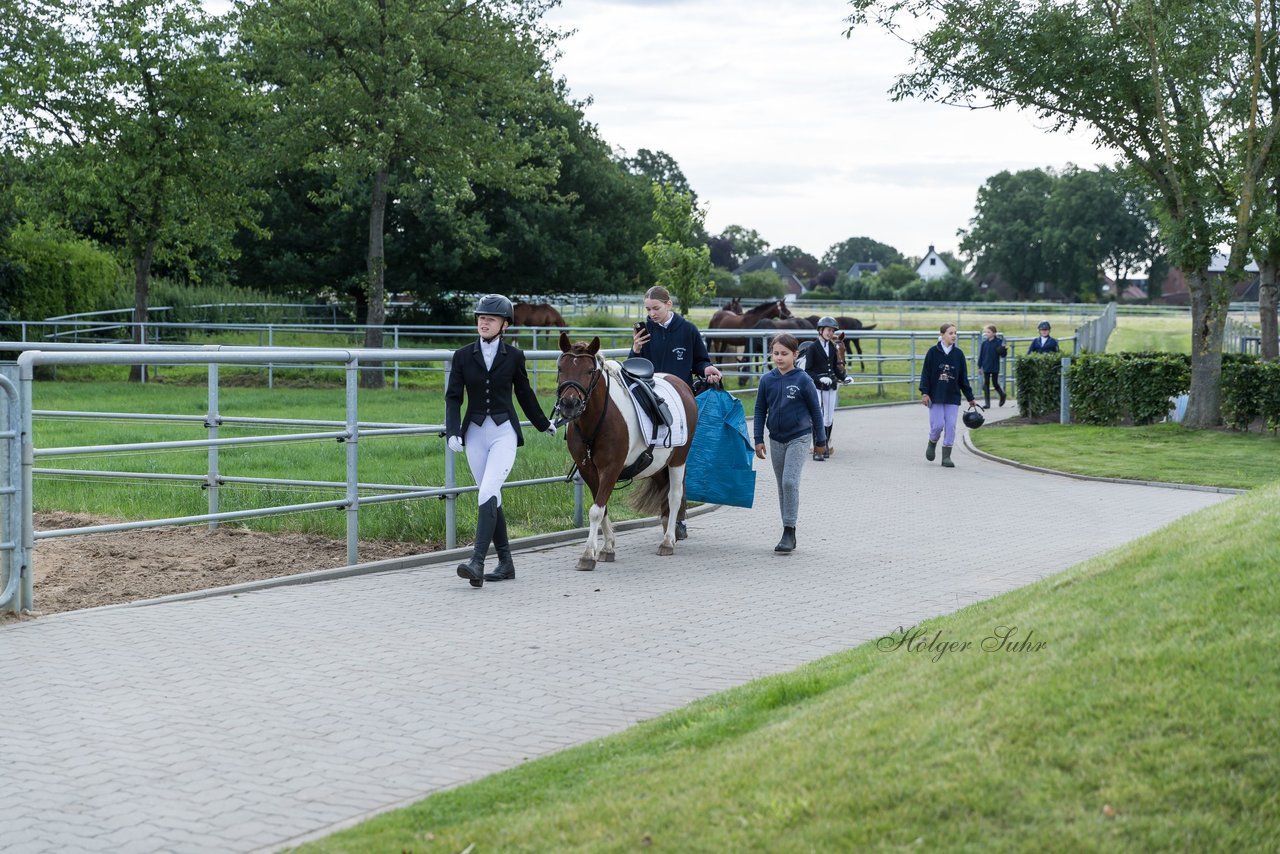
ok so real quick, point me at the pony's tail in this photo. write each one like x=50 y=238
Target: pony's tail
x=650 y=493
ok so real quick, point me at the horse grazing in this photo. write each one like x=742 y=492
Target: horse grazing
x=604 y=437
x=536 y=314
x=849 y=324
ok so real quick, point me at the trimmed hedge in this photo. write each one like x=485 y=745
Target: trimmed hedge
x=1250 y=390
x=48 y=274
x=1137 y=388
x=1039 y=378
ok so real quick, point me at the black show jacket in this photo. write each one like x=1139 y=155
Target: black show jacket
x=489 y=391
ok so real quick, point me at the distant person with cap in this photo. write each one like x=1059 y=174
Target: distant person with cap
x=823 y=365
x=487 y=372
x=675 y=347
x=1046 y=343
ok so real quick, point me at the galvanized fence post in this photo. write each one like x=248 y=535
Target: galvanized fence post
x=1064 y=393
x=22 y=555
x=211 y=425
x=353 y=474
x=450 y=481
x=577 y=498
x=11 y=404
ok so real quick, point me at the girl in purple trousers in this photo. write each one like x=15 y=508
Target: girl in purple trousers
x=943 y=379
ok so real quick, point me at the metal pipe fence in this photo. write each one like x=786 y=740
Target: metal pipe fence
x=24 y=454
x=896 y=361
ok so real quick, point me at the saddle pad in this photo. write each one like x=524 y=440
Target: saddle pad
x=625 y=400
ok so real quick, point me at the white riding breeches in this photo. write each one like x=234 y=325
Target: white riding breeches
x=491 y=454
x=828 y=397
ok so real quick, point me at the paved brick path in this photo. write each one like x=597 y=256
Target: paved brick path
x=239 y=724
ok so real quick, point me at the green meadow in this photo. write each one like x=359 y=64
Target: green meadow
x=1126 y=704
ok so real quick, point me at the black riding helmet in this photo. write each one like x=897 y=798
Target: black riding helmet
x=973 y=418
x=496 y=305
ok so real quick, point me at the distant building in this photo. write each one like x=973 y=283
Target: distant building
x=790 y=280
x=864 y=268
x=932 y=266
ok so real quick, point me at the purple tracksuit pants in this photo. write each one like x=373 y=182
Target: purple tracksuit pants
x=942 y=422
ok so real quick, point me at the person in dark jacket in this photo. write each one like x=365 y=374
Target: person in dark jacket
x=787 y=402
x=675 y=347
x=942 y=380
x=1046 y=343
x=487 y=372
x=822 y=364
x=989 y=355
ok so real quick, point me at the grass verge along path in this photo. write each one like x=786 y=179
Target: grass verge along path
x=1160 y=452
x=1126 y=704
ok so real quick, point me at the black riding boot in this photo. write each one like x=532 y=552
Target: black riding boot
x=473 y=570
x=788 y=541
x=826 y=455
x=506 y=568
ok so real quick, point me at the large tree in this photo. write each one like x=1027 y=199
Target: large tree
x=1006 y=235
x=1096 y=222
x=746 y=242
x=130 y=107
x=857 y=250
x=407 y=102
x=1178 y=87
x=658 y=167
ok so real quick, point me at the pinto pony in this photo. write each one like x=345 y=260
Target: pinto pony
x=603 y=435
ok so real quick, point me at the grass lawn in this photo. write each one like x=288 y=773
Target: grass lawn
x=1163 y=452
x=1144 y=334
x=1145 y=722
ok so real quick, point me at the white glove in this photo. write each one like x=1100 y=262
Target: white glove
x=847 y=381
x=455 y=444
x=825 y=382
x=551 y=431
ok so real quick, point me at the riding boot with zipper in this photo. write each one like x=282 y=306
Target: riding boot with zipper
x=506 y=568
x=946 y=457
x=473 y=570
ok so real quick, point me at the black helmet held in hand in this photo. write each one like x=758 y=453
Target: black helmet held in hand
x=496 y=305
x=828 y=321
x=973 y=418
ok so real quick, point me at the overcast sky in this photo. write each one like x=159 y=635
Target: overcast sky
x=783 y=125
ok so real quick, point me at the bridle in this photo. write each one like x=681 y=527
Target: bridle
x=571 y=410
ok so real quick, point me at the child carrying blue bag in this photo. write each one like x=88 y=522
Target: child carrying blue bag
x=719 y=463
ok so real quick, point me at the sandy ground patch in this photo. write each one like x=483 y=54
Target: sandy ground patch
x=106 y=569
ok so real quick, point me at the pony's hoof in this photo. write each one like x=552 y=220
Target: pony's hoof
x=585 y=565
x=607 y=557
x=666 y=550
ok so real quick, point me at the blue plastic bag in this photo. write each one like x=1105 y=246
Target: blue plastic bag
x=719 y=464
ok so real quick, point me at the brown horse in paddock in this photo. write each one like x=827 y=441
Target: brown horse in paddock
x=537 y=314
x=604 y=437
x=749 y=319
x=849 y=324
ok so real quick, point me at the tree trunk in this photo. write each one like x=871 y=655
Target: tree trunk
x=141 y=299
x=371 y=372
x=1267 y=293
x=1210 y=299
